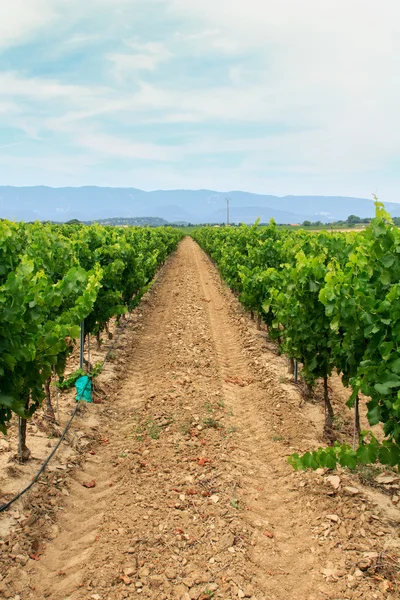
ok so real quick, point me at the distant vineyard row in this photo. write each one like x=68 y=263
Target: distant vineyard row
x=331 y=300
x=52 y=277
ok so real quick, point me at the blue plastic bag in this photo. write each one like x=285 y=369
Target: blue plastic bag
x=83 y=387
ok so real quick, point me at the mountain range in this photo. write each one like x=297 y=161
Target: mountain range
x=191 y=206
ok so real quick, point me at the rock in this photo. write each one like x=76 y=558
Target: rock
x=334 y=481
x=22 y=559
x=241 y=594
x=249 y=591
x=395 y=499
x=194 y=593
x=358 y=573
x=364 y=564
x=214 y=498
x=129 y=571
x=170 y=574
x=17 y=548
x=370 y=555
x=329 y=572
x=156 y=581
x=95 y=597
x=333 y=518
x=386 y=479
x=352 y=491
x=226 y=541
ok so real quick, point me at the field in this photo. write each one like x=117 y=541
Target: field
x=176 y=483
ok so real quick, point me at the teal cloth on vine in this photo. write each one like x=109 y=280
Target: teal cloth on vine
x=83 y=387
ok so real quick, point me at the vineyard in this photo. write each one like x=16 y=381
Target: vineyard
x=330 y=300
x=53 y=279
x=180 y=480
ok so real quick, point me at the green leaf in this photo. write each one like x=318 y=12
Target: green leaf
x=367 y=454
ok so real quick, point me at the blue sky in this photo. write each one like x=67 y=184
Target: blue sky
x=272 y=97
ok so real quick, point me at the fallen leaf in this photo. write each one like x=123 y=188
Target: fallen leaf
x=34 y=556
x=268 y=534
x=89 y=484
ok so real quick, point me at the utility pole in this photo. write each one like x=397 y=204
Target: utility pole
x=227 y=210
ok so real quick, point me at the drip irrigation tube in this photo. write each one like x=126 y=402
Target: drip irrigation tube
x=42 y=468
x=7 y=505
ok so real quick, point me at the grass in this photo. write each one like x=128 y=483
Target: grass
x=235 y=503
x=211 y=423
x=153 y=429
x=185 y=427
x=368 y=473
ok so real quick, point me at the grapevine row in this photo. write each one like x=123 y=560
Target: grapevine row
x=331 y=301
x=52 y=277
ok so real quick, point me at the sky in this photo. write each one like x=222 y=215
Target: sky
x=275 y=97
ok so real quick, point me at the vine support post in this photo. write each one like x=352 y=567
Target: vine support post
x=23 y=450
x=296 y=371
x=82 y=344
x=357 y=425
x=49 y=407
x=57 y=394
x=328 y=407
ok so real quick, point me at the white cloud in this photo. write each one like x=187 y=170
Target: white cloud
x=324 y=77
x=22 y=19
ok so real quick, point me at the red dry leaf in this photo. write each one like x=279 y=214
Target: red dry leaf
x=203 y=461
x=126 y=579
x=34 y=556
x=191 y=492
x=92 y=452
x=89 y=484
x=268 y=534
x=178 y=531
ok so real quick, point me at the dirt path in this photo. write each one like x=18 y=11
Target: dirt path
x=193 y=496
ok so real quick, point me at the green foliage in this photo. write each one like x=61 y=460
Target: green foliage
x=53 y=277
x=333 y=302
x=69 y=382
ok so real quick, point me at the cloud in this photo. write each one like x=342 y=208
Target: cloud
x=21 y=20
x=145 y=57
x=254 y=94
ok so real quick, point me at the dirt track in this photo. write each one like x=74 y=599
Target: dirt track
x=193 y=497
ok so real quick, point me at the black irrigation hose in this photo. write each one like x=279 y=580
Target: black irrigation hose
x=46 y=462
x=42 y=468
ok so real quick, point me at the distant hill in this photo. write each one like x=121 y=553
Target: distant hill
x=146 y=221
x=191 y=206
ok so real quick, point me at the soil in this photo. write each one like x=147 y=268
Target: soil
x=177 y=485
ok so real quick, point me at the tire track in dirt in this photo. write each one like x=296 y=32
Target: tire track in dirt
x=263 y=473
x=194 y=498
